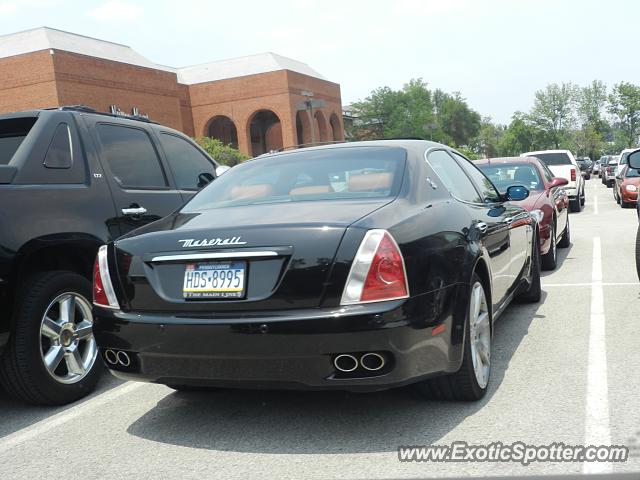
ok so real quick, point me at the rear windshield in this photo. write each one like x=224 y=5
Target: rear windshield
x=554 y=158
x=12 y=132
x=613 y=161
x=505 y=175
x=307 y=175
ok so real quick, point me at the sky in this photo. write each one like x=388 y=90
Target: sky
x=497 y=53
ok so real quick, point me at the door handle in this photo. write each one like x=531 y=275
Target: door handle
x=508 y=220
x=134 y=211
x=481 y=227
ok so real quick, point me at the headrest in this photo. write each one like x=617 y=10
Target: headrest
x=243 y=192
x=370 y=182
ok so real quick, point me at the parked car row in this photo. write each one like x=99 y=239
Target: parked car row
x=358 y=266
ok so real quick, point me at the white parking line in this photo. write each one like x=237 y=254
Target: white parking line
x=597 y=430
x=595 y=204
x=43 y=426
x=590 y=284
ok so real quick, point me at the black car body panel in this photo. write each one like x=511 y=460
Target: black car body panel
x=291 y=323
x=55 y=217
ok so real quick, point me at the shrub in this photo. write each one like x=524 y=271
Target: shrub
x=221 y=153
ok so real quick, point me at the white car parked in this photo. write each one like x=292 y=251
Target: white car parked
x=563 y=164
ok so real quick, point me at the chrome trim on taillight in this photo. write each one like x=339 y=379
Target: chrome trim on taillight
x=103 y=266
x=360 y=268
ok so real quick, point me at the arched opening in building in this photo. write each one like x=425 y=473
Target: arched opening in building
x=223 y=129
x=303 y=128
x=265 y=131
x=335 y=127
x=321 y=127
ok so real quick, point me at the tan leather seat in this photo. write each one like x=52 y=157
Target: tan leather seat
x=244 y=192
x=311 y=190
x=370 y=182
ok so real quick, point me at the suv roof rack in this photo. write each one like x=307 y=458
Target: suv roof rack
x=87 y=109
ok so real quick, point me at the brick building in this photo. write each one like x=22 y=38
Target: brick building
x=255 y=103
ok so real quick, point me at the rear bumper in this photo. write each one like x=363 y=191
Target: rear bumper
x=291 y=351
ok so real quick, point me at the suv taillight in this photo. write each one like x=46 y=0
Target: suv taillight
x=103 y=293
x=378 y=272
x=573 y=174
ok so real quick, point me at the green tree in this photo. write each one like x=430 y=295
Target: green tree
x=220 y=152
x=520 y=136
x=457 y=123
x=553 y=111
x=624 y=103
x=487 y=142
x=415 y=111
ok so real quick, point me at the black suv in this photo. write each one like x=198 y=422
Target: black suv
x=72 y=179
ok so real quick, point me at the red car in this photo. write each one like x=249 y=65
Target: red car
x=625 y=190
x=547 y=196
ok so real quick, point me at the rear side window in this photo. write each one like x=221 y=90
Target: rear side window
x=487 y=189
x=556 y=158
x=189 y=166
x=548 y=174
x=131 y=157
x=307 y=175
x=60 y=152
x=453 y=177
x=12 y=132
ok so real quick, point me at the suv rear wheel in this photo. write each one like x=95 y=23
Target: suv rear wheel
x=51 y=358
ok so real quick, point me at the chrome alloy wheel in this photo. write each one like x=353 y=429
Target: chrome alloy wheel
x=67 y=347
x=480 y=335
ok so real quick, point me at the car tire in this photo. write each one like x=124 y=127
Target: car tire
x=464 y=385
x=22 y=367
x=575 y=205
x=583 y=198
x=533 y=293
x=638 y=252
x=549 y=259
x=565 y=240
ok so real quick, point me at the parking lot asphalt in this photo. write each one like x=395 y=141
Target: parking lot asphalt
x=564 y=370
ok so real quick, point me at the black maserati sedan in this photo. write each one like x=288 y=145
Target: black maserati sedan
x=356 y=266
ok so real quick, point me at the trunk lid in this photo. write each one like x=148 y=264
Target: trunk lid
x=282 y=253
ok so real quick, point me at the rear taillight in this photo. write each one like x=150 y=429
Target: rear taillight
x=573 y=174
x=377 y=272
x=103 y=293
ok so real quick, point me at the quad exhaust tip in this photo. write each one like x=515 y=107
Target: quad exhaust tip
x=111 y=357
x=345 y=363
x=372 y=361
x=118 y=357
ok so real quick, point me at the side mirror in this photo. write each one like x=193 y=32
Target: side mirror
x=515 y=193
x=221 y=169
x=204 y=179
x=558 y=182
x=633 y=160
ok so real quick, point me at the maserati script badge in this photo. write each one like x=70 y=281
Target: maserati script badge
x=190 y=242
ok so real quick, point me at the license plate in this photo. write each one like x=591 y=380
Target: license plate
x=214 y=280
